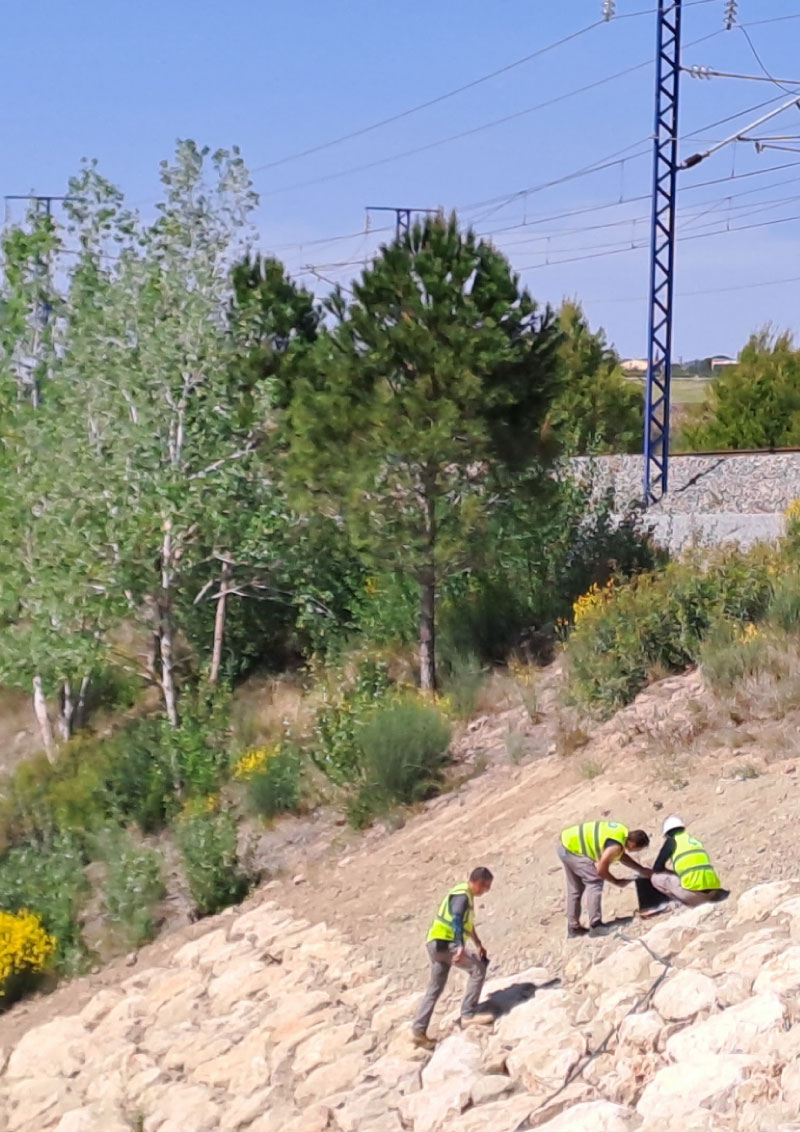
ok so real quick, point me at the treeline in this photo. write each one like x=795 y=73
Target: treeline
x=205 y=469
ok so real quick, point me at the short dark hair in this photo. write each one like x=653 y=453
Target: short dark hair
x=482 y=874
x=639 y=838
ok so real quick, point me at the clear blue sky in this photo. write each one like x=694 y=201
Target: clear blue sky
x=120 y=82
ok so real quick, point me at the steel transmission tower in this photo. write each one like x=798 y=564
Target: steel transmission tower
x=662 y=252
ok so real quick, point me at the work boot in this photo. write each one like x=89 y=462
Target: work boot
x=575 y=930
x=600 y=929
x=482 y=1019
x=422 y=1041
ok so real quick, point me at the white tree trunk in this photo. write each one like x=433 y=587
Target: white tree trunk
x=66 y=711
x=80 y=710
x=43 y=719
x=166 y=634
x=219 y=623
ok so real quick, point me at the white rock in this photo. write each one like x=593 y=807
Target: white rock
x=594 y=1116
x=781 y=974
x=759 y=902
x=489 y=1087
x=741 y=1029
x=625 y=965
x=322 y=1048
x=544 y=1014
x=57 y=1049
x=543 y=1062
x=182 y=1107
x=641 y=1031
x=437 y=1109
x=732 y=989
x=706 y=1082
x=790 y=1085
x=329 y=1079
x=92 y=1118
x=748 y=955
x=684 y=994
x=501 y=1116
x=457 y=1056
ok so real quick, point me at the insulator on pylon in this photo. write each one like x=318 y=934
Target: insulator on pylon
x=731 y=13
x=699 y=72
x=609 y=9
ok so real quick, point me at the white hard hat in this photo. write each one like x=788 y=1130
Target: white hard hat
x=671 y=823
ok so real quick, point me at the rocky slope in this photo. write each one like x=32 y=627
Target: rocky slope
x=270 y=1024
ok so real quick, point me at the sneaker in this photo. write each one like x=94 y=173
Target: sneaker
x=659 y=908
x=575 y=932
x=482 y=1019
x=422 y=1041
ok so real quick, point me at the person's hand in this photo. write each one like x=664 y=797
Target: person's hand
x=623 y=882
x=645 y=872
x=458 y=954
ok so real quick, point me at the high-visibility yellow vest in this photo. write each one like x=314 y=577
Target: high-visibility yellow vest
x=442 y=926
x=692 y=864
x=588 y=839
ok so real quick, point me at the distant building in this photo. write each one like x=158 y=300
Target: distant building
x=634 y=367
x=720 y=362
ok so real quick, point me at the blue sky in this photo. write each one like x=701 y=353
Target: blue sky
x=120 y=82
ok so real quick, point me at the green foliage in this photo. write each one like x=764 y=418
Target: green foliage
x=462 y=685
x=438 y=374
x=275 y=787
x=728 y=655
x=48 y=878
x=784 y=608
x=597 y=410
x=133 y=887
x=404 y=745
x=656 y=623
x=756 y=403
x=208 y=846
x=336 y=749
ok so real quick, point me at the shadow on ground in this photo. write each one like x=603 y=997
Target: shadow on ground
x=503 y=1001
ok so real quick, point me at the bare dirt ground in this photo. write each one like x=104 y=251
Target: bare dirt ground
x=737 y=786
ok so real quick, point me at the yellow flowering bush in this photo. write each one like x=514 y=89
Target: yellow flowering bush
x=25 y=949
x=594 y=598
x=792 y=526
x=254 y=761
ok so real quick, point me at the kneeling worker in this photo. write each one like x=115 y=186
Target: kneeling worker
x=455 y=920
x=691 y=879
x=587 y=852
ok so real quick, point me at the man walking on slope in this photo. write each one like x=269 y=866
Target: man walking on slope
x=691 y=878
x=455 y=920
x=587 y=852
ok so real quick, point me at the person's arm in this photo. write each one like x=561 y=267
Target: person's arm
x=629 y=863
x=611 y=853
x=667 y=849
x=458 y=910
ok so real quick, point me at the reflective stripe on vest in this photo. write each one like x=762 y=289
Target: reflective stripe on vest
x=692 y=864
x=442 y=926
x=588 y=839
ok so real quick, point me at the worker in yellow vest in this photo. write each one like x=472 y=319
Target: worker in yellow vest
x=683 y=870
x=587 y=852
x=452 y=925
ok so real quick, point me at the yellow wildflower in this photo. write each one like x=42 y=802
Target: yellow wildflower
x=595 y=597
x=25 y=946
x=254 y=760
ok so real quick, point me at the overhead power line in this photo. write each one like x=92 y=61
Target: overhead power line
x=358 y=133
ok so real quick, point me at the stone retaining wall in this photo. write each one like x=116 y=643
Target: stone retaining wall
x=712 y=499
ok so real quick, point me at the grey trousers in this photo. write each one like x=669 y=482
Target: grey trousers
x=669 y=885
x=441 y=962
x=581 y=876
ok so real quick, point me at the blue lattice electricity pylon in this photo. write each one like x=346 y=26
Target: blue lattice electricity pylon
x=662 y=252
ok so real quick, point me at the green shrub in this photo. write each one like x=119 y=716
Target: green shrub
x=784 y=608
x=208 y=846
x=656 y=623
x=49 y=880
x=133 y=887
x=462 y=684
x=274 y=787
x=404 y=747
x=336 y=749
